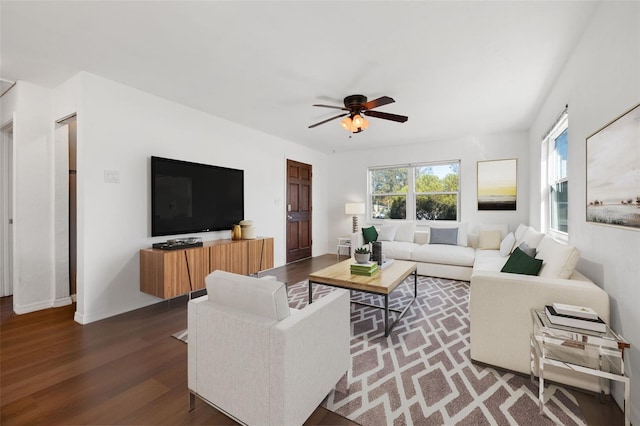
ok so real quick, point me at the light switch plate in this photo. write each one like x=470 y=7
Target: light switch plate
x=111 y=176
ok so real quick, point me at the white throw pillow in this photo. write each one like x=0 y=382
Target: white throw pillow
x=421 y=237
x=503 y=228
x=558 y=260
x=387 y=232
x=519 y=232
x=462 y=229
x=507 y=244
x=405 y=232
x=532 y=238
x=489 y=240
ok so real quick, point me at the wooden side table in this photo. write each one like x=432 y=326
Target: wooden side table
x=343 y=243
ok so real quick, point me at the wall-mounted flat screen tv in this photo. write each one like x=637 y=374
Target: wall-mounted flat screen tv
x=191 y=197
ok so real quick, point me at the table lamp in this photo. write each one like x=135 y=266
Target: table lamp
x=354 y=209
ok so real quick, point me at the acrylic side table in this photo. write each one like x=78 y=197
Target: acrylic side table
x=576 y=349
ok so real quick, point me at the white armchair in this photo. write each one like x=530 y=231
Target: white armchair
x=258 y=361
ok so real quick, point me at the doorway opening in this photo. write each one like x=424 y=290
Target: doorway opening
x=66 y=207
x=6 y=210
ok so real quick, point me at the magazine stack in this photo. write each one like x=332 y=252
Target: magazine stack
x=367 y=269
x=575 y=316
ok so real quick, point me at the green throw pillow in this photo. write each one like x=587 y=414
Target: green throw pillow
x=521 y=263
x=370 y=234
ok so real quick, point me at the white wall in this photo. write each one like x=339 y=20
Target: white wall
x=599 y=82
x=348 y=180
x=30 y=107
x=119 y=128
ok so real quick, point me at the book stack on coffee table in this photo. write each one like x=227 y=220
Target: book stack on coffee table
x=367 y=269
x=575 y=316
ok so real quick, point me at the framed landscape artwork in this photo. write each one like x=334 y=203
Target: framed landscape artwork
x=613 y=172
x=497 y=184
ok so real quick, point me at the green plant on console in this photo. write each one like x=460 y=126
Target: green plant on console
x=363 y=250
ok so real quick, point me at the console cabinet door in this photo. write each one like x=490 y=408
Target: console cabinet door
x=230 y=256
x=168 y=274
x=197 y=262
x=260 y=254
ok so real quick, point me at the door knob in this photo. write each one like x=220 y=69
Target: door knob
x=289 y=217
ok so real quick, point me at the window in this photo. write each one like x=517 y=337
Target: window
x=389 y=193
x=428 y=191
x=555 y=148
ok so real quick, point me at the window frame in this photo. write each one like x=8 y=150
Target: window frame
x=411 y=194
x=549 y=176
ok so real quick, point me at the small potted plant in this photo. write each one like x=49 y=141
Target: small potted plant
x=362 y=254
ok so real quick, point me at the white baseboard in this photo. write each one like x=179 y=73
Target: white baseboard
x=32 y=307
x=79 y=318
x=63 y=301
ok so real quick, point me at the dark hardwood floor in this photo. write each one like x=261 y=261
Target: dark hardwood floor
x=127 y=369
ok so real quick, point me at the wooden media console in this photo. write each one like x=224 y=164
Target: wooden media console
x=171 y=273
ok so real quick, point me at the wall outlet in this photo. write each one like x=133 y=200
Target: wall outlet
x=111 y=176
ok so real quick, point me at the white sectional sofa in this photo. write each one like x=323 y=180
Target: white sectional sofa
x=500 y=303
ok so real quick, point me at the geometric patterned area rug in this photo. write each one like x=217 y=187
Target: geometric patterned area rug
x=422 y=373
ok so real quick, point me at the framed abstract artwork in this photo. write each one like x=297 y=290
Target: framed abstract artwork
x=497 y=184
x=613 y=172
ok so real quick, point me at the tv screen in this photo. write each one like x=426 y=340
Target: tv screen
x=190 y=197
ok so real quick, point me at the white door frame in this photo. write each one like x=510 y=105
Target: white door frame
x=7 y=198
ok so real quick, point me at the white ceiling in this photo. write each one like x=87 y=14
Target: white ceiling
x=456 y=68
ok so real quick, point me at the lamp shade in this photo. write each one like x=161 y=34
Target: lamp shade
x=354 y=208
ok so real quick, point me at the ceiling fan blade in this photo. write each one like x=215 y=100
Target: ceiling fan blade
x=387 y=116
x=330 y=106
x=327 y=120
x=384 y=100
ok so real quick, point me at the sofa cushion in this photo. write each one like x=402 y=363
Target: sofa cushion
x=521 y=263
x=503 y=228
x=369 y=234
x=444 y=254
x=532 y=238
x=266 y=298
x=506 y=245
x=444 y=236
x=559 y=260
x=462 y=229
x=490 y=240
x=400 y=250
x=387 y=232
x=489 y=260
x=405 y=232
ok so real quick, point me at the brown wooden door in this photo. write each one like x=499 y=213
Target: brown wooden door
x=298 y=211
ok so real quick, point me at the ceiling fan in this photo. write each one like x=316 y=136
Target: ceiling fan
x=356 y=106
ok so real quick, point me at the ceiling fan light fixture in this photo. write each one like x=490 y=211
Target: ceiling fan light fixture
x=357 y=120
x=346 y=123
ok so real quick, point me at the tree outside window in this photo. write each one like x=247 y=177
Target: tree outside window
x=389 y=189
x=436 y=189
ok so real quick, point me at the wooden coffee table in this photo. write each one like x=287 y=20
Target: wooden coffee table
x=381 y=283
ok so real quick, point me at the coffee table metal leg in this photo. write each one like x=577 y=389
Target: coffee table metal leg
x=310 y=292
x=386 y=315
